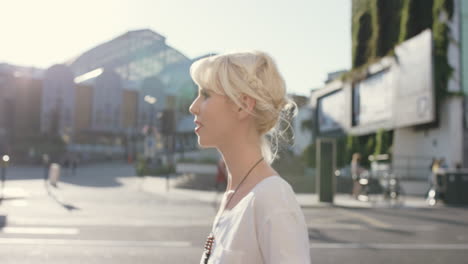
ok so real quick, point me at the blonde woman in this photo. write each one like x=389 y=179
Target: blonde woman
x=241 y=101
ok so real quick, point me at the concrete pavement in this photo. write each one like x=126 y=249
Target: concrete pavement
x=122 y=218
x=172 y=191
x=159 y=185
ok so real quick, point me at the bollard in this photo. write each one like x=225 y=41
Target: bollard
x=54 y=174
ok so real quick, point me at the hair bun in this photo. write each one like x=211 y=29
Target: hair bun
x=280 y=104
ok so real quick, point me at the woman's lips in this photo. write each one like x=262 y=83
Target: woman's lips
x=199 y=126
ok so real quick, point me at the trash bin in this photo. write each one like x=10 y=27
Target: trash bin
x=456 y=182
x=54 y=174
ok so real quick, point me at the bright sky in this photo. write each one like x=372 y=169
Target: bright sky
x=307 y=38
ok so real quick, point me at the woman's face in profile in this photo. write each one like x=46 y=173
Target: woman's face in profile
x=214 y=117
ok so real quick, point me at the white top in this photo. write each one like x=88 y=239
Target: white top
x=267 y=226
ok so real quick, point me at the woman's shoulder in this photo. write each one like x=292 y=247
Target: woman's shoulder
x=273 y=192
x=272 y=182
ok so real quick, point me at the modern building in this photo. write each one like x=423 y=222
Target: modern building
x=58 y=101
x=107 y=102
x=83 y=108
x=129 y=110
x=7 y=98
x=20 y=108
x=302 y=131
x=102 y=101
x=406 y=85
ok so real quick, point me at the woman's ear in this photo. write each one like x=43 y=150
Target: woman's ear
x=249 y=105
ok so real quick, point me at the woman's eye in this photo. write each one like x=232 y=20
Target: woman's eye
x=205 y=94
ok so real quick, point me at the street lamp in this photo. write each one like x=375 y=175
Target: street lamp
x=149 y=140
x=151 y=100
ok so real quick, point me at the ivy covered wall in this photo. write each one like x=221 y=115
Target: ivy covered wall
x=377 y=27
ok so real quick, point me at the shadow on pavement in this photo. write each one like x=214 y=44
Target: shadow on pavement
x=395 y=231
x=67 y=206
x=3 y=221
x=316 y=234
x=96 y=175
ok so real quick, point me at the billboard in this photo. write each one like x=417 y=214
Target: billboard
x=414 y=90
x=373 y=99
x=397 y=91
x=330 y=112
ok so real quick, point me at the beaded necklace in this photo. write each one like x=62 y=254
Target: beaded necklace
x=210 y=239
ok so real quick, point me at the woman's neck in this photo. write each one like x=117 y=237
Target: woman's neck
x=239 y=159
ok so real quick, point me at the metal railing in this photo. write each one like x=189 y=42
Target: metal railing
x=411 y=167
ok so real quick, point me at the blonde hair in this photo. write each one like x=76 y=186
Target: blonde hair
x=255 y=74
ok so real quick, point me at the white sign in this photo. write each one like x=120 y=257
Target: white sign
x=331 y=112
x=414 y=92
x=375 y=98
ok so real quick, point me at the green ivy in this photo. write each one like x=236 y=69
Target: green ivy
x=389 y=17
x=362 y=52
x=379 y=25
x=442 y=68
x=367 y=145
x=416 y=16
x=308 y=156
x=383 y=142
x=361 y=28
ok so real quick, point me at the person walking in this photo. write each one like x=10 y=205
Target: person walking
x=221 y=177
x=356 y=171
x=241 y=103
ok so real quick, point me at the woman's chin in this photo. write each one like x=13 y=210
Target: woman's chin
x=204 y=145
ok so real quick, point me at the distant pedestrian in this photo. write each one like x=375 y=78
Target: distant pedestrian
x=434 y=170
x=356 y=171
x=432 y=164
x=443 y=164
x=242 y=97
x=66 y=165
x=74 y=165
x=221 y=175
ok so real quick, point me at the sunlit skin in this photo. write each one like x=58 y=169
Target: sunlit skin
x=230 y=129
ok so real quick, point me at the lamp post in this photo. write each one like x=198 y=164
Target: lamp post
x=152 y=101
x=5 y=160
x=45 y=163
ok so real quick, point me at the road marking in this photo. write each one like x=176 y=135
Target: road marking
x=103 y=243
x=409 y=228
x=15 y=192
x=389 y=246
x=121 y=222
x=335 y=226
x=40 y=230
x=18 y=203
x=372 y=221
x=181 y=244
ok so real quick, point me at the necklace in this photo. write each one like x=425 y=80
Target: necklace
x=210 y=239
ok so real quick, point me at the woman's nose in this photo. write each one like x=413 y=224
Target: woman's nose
x=192 y=107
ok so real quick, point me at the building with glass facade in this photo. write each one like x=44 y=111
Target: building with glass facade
x=138 y=61
x=98 y=101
